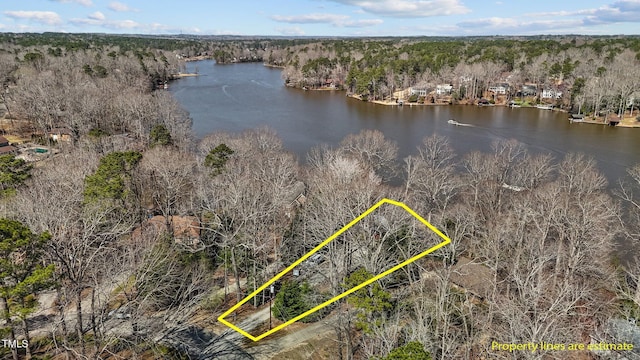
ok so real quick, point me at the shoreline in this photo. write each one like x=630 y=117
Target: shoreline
x=393 y=103
x=183 y=75
x=197 y=58
x=312 y=89
x=629 y=122
x=625 y=123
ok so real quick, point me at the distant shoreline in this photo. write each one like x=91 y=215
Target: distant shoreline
x=177 y=76
x=626 y=123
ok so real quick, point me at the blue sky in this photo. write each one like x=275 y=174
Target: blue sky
x=324 y=17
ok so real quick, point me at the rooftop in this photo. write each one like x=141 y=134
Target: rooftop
x=7 y=149
x=472 y=276
x=297 y=189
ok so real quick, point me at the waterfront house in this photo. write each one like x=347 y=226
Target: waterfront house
x=5 y=147
x=420 y=91
x=500 y=89
x=465 y=79
x=331 y=84
x=528 y=90
x=549 y=93
x=444 y=89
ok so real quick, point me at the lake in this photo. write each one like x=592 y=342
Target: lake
x=243 y=96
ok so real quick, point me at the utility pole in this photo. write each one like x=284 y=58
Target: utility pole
x=271 y=290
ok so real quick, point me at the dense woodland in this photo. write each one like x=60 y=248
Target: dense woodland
x=98 y=229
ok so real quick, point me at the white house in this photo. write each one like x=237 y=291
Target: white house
x=418 y=91
x=500 y=89
x=444 y=89
x=551 y=94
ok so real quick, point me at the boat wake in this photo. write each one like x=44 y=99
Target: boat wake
x=263 y=84
x=453 y=122
x=226 y=93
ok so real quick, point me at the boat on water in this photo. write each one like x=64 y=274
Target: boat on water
x=545 y=107
x=453 y=122
x=514 y=105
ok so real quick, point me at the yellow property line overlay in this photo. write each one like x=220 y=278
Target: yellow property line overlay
x=346 y=293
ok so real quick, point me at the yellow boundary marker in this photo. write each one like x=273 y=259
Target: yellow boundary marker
x=346 y=293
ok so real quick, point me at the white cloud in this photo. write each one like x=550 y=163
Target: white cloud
x=511 y=26
x=333 y=19
x=98 y=19
x=126 y=24
x=81 y=2
x=290 y=31
x=97 y=16
x=564 y=13
x=409 y=8
x=43 y=17
x=105 y=23
x=360 y=23
x=224 y=32
x=310 y=18
x=19 y=28
x=494 y=22
x=616 y=12
x=553 y=22
x=120 y=7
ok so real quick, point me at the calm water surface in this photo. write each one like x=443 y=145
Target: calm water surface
x=245 y=96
